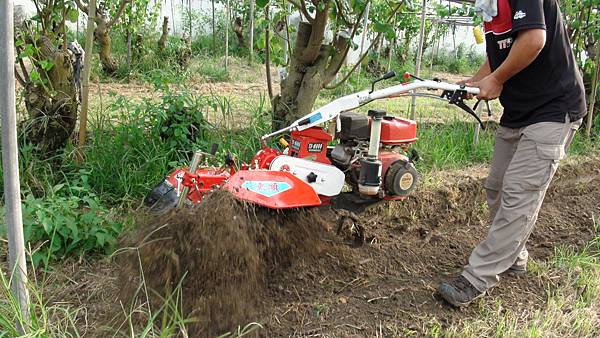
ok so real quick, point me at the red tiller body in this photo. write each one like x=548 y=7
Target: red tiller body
x=310 y=144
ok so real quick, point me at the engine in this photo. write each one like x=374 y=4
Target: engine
x=398 y=174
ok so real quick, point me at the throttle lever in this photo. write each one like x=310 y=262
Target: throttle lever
x=456 y=98
x=470 y=111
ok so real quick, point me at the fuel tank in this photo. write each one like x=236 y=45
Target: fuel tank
x=397 y=130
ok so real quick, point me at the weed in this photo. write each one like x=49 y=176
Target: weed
x=66 y=222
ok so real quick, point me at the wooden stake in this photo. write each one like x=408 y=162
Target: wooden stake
x=85 y=82
x=10 y=164
x=413 y=105
x=251 y=47
x=268 y=54
x=592 y=98
x=226 y=35
x=364 y=35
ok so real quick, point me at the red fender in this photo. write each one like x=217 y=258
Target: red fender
x=272 y=189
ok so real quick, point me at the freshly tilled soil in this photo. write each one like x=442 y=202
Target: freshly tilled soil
x=298 y=276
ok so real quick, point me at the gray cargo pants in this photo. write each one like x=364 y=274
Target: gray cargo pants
x=524 y=161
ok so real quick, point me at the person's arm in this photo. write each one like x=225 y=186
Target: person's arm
x=526 y=47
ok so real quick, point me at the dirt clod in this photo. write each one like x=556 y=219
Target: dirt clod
x=223 y=253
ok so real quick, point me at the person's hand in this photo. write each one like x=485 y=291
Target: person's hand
x=464 y=82
x=489 y=88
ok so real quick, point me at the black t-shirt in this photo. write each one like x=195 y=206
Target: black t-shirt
x=551 y=86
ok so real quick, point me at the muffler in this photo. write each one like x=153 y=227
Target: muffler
x=369 y=181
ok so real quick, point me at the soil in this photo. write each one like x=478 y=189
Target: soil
x=292 y=272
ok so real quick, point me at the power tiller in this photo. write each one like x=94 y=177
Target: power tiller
x=366 y=159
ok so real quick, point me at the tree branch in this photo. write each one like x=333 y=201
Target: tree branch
x=366 y=52
x=313 y=47
x=341 y=14
x=301 y=6
x=21 y=63
x=119 y=12
x=336 y=63
x=81 y=6
x=19 y=78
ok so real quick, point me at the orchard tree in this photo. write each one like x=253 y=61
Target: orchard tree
x=50 y=90
x=138 y=18
x=315 y=63
x=104 y=11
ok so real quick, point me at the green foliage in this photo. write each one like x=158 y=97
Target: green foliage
x=69 y=221
x=212 y=71
x=125 y=158
x=179 y=119
x=462 y=61
x=450 y=146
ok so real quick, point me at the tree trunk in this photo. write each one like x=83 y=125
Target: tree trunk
x=52 y=107
x=162 y=42
x=138 y=46
x=300 y=88
x=238 y=29
x=109 y=63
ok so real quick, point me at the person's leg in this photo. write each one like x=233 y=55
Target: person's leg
x=505 y=146
x=526 y=179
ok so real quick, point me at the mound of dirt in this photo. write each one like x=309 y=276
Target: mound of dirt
x=222 y=253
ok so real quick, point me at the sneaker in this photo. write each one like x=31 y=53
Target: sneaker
x=459 y=291
x=517 y=269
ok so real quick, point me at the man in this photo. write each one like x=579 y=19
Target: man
x=530 y=66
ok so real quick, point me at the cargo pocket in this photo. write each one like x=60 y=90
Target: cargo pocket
x=548 y=156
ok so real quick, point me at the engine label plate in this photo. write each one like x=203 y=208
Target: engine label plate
x=266 y=188
x=315 y=147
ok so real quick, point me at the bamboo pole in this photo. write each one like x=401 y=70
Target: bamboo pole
x=364 y=35
x=190 y=17
x=592 y=98
x=227 y=35
x=214 y=33
x=268 y=54
x=251 y=33
x=10 y=164
x=413 y=104
x=173 y=16
x=85 y=82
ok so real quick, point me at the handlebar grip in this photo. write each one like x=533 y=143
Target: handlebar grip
x=471 y=90
x=388 y=75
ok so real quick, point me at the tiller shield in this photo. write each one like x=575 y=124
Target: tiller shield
x=272 y=189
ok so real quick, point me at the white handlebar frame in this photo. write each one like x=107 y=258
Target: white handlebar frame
x=346 y=103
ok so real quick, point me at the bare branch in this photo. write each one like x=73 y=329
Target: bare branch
x=338 y=60
x=119 y=12
x=19 y=78
x=313 y=47
x=21 y=63
x=81 y=6
x=301 y=6
x=341 y=12
x=366 y=52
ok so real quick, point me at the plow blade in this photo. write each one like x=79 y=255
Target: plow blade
x=272 y=189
